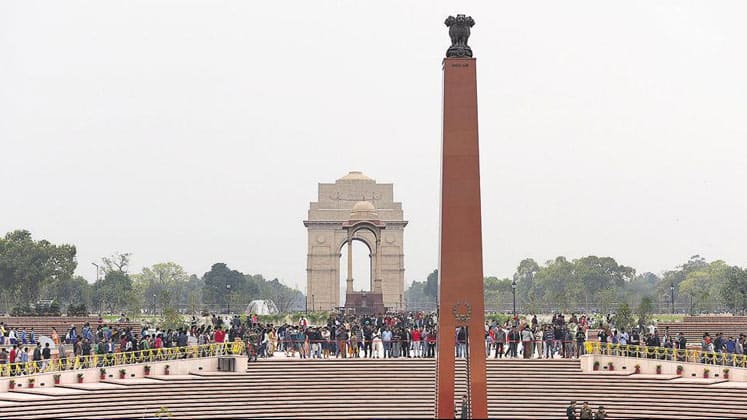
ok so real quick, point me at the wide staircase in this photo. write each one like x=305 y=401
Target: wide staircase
x=402 y=388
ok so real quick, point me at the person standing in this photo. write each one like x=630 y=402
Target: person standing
x=37 y=357
x=526 y=342
x=570 y=411
x=513 y=341
x=386 y=338
x=461 y=340
x=23 y=360
x=3 y=359
x=586 y=413
x=55 y=337
x=46 y=355
x=406 y=340
x=500 y=340
x=416 y=343
x=465 y=407
x=396 y=343
x=580 y=339
x=539 y=333
x=12 y=359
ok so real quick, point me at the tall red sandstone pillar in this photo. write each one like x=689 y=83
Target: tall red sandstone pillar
x=460 y=297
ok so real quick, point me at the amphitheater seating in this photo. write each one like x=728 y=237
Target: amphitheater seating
x=693 y=327
x=43 y=324
x=716 y=318
x=382 y=389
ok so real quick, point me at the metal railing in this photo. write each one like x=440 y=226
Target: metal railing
x=120 y=359
x=665 y=353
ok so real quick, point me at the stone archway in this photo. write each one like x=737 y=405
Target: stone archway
x=331 y=219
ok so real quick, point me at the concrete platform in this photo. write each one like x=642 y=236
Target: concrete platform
x=201 y=373
x=708 y=381
x=22 y=396
x=731 y=384
x=89 y=386
x=650 y=376
x=132 y=381
x=167 y=377
x=53 y=391
x=608 y=373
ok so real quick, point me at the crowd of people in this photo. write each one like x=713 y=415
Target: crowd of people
x=414 y=335
x=390 y=335
x=78 y=348
x=574 y=412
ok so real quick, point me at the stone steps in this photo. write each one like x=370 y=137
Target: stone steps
x=387 y=389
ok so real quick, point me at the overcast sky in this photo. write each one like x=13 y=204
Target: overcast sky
x=196 y=132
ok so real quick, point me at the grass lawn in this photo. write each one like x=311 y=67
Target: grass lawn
x=668 y=317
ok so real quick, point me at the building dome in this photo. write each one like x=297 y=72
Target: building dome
x=364 y=210
x=355 y=176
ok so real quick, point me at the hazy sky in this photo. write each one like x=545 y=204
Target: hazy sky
x=196 y=132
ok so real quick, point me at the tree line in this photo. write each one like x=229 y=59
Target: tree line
x=602 y=284
x=32 y=271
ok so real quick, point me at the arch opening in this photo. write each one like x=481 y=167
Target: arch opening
x=362 y=267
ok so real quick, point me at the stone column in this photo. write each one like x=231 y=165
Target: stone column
x=377 y=270
x=372 y=274
x=349 y=288
x=460 y=293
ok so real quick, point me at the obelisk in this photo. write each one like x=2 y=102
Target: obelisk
x=460 y=290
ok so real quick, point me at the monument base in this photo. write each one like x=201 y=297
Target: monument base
x=365 y=303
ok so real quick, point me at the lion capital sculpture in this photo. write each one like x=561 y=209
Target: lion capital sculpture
x=459 y=31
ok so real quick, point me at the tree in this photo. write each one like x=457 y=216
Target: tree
x=216 y=280
x=558 y=284
x=607 y=299
x=734 y=289
x=431 y=285
x=168 y=281
x=497 y=292
x=172 y=319
x=596 y=274
x=116 y=262
x=284 y=297
x=114 y=291
x=645 y=310
x=68 y=290
x=524 y=277
x=623 y=317
x=26 y=266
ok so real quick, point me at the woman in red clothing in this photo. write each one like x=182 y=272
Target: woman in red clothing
x=415 y=342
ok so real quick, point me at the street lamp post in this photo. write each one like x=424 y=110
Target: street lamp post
x=154 y=304
x=228 y=297
x=97 y=284
x=513 y=291
x=671 y=292
x=312 y=303
x=97 y=270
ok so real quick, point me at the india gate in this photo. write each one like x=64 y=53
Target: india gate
x=355 y=208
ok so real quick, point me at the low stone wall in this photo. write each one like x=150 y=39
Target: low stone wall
x=92 y=375
x=668 y=367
